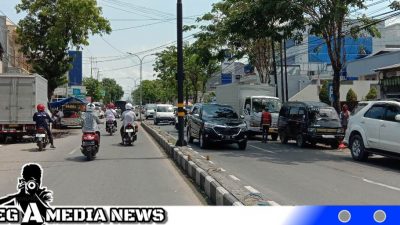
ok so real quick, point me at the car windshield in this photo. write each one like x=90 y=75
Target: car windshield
x=165 y=109
x=327 y=113
x=218 y=111
x=150 y=107
x=273 y=105
x=359 y=107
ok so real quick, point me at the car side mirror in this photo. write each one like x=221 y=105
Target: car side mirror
x=242 y=117
x=397 y=118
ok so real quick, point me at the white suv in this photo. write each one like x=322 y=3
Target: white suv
x=374 y=128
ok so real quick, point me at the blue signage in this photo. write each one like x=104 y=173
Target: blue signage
x=75 y=74
x=226 y=78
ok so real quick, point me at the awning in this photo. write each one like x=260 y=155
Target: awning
x=394 y=66
x=66 y=101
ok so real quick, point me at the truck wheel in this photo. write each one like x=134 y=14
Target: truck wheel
x=283 y=137
x=242 y=145
x=300 y=141
x=357 y=148
x=274 y=137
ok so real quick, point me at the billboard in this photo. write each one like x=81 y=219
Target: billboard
x=75 y=74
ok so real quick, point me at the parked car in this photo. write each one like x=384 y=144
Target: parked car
x=309 y=122
x=149 y=111
x=216 y=123
x=375 y=128
x=164 y=113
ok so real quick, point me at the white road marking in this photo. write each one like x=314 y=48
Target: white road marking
x=75 y=149
x=222 y=169
x=262 y=149
x=273 y=203
x=202 y=157
x=234 y=178
x=380 y=184
x=211 y=162
x=196 y=152
x=251 y=189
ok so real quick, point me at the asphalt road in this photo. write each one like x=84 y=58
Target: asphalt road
x=135 y=175
x=289 y=175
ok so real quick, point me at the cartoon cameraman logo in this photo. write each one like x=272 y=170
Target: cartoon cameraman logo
x=31 y=199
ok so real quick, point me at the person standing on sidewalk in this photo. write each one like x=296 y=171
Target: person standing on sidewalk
x=266 y=120
x=344 y=116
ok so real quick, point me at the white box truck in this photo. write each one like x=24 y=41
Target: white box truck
x=19 y=96
x=249 y=100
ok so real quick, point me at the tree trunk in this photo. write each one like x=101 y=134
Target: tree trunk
x=336 y=89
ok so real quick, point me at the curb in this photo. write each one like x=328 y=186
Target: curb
x=215 y=183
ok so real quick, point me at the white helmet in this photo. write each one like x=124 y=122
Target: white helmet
x=128 y=106
x=90 y=107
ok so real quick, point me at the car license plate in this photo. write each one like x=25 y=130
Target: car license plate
x=88 y=143
x=41 y=135
x=328 y=136
x=129 y=131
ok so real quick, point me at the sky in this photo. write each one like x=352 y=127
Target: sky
x=140 y=25
x=144 y=24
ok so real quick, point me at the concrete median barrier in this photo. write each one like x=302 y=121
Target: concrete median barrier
x=216 y=183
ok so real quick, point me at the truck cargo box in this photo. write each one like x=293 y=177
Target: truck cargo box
x=19 y=95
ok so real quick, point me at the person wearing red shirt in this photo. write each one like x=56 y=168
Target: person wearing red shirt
x=265 y=124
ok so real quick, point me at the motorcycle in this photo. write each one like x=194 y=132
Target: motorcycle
x=41 y=138
x=110 y=127
x=90 y=144
x=129 y=134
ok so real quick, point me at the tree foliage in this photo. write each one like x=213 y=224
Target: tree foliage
x=324 y=93
x=93 y=88
x=351 y=96
x=113 y=91
x=153 y=92
x=372 y=94
x=50 y=28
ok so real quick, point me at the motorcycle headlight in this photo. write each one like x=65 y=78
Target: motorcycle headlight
x=312 y=130
x=208 y=125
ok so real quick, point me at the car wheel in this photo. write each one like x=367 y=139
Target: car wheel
x=274 y=137
x=300 y=141
x=242 y=145
x=189 y=135
x=283 y=137
x=203 y=142
x=357 y=148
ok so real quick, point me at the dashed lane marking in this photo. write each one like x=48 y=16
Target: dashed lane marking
x=234 y=178
x=75 y=149
x=262 y=149
x=382 y=185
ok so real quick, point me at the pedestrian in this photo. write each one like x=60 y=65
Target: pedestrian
x=265 y=124
x=344 y=116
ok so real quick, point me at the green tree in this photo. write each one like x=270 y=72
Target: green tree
x=93 y=88
x=113 y=91
x=50 y=28
x=372 y=94
x=351 y=96
x=324 y=93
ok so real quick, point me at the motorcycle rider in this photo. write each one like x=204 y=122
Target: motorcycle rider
x=128 y=117
x=111 y=114
x=90 y=121
x=41 y=118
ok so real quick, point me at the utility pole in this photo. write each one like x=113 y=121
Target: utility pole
x=91 y=67
x=282 y=78
x=286 y=82
x=180 y=76
x=274 y=65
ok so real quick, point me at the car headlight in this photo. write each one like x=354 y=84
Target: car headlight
x=208 y=125
x=312 y=130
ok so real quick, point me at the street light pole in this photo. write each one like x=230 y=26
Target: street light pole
x=180 y=76
x=141 y=72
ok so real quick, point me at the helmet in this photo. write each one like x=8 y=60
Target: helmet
x=111 y=106
x=40 y=107
x=90 y=107
x=128 y=106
